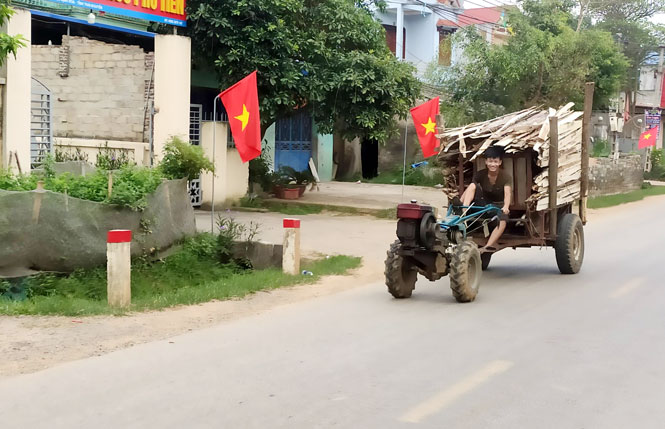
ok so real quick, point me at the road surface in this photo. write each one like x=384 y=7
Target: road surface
x=535 y=350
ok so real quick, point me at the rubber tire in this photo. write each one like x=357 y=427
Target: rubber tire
x=485 y=258
x=569 y=244
x=400 y=276
x=465 y=272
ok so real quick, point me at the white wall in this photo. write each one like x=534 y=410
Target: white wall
x=231 y=174
x=422 y=40
x=172 y=86
x=16 y=94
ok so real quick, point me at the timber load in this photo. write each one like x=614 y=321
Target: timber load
x=526 y=130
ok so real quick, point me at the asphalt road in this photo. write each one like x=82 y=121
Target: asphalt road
x=535 y=350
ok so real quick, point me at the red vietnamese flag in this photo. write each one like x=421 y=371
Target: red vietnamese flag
x=648 y=138
x=241 y=102
x=424 y=119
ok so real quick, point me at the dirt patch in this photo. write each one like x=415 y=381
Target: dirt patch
x=32 y=343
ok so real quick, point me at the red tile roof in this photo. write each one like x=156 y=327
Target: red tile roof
x=474 y=16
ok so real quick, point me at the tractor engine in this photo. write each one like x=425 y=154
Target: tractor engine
x=416 y=225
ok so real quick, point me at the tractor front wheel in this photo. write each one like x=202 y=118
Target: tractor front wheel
x=400 y=274
x=465 y=272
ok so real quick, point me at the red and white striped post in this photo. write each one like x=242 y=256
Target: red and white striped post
x=291 y=248
x=118 y=267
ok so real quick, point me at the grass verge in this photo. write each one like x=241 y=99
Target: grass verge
x=629 y=197
x=181 y=279
x=294 y=208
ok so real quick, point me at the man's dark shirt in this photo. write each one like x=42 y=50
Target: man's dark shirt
x=492 y=193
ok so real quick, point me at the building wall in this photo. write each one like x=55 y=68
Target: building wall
x=607 y=177
x=422 y=44
x=16 y=93
x=98 y=89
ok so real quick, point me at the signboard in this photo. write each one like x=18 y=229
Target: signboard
x=652 y=118
x=170 y=12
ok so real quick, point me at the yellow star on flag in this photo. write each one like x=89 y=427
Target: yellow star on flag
x=430 y=126
x=244 y=117
x=647 y=136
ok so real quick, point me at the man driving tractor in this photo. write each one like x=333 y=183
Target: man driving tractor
x=491 y=186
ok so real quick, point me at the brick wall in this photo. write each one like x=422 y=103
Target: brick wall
x=99 y=89
x=607 y=176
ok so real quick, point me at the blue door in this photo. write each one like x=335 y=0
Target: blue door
x=293 y=142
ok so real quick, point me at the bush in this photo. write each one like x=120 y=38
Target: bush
x=289 y=176
x=112 y=159
x=259 y=170
x=230 y=231
x=601 y=149
x=184 y=160
x=131 y=185
x=657 y=166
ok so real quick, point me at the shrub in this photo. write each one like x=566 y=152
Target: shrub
x=230 y=231
x=63 y=155
x=112 y=159
x=601 y=149
x=184 y=160
x=259 y=170
x=131 y=185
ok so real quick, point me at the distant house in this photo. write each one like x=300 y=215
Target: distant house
x=419 y=31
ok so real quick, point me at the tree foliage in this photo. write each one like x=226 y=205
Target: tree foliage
x=545 y=62
x=327 y=56
x=8 y=44
x=624 y=10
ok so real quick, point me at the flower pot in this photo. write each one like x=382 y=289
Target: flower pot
x=290 y=193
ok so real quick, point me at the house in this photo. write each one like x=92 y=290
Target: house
x=490 y=22
x=92 y=80
x=419 y=31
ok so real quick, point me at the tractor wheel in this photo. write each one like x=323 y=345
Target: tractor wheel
x=569 y=245
x=400 y=274
x=465 y=272
x=485 y=258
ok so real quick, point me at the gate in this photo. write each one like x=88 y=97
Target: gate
x=194 y=186
x=41 y=120
x=293 y=142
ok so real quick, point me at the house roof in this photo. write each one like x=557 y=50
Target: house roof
x=474 y=16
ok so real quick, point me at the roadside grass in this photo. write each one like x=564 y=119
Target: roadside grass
x=414 y=176
x=629 y=197
x=183 y=278
x=300 y=209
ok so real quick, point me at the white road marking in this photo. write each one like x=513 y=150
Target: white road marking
x=627 y=288
x=439 y=401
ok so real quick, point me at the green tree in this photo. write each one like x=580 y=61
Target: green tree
x=327 y=56
x=8 y=44
x=627 y=21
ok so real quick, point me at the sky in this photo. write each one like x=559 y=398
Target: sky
x=471 y=4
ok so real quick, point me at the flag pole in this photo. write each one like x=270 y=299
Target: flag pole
x=214 y=142
x=406 y=130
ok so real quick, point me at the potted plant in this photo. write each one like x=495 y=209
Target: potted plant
x=289 y=183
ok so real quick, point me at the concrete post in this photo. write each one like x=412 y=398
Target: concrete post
x=118 y=267
x=291 y=250
x=172 y=90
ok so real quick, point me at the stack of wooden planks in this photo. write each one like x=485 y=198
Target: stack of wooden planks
x=527 y=129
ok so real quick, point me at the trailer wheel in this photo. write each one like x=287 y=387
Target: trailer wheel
x=485 y=258
x=465 y=272
x=400 y=274
x=569 y=245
